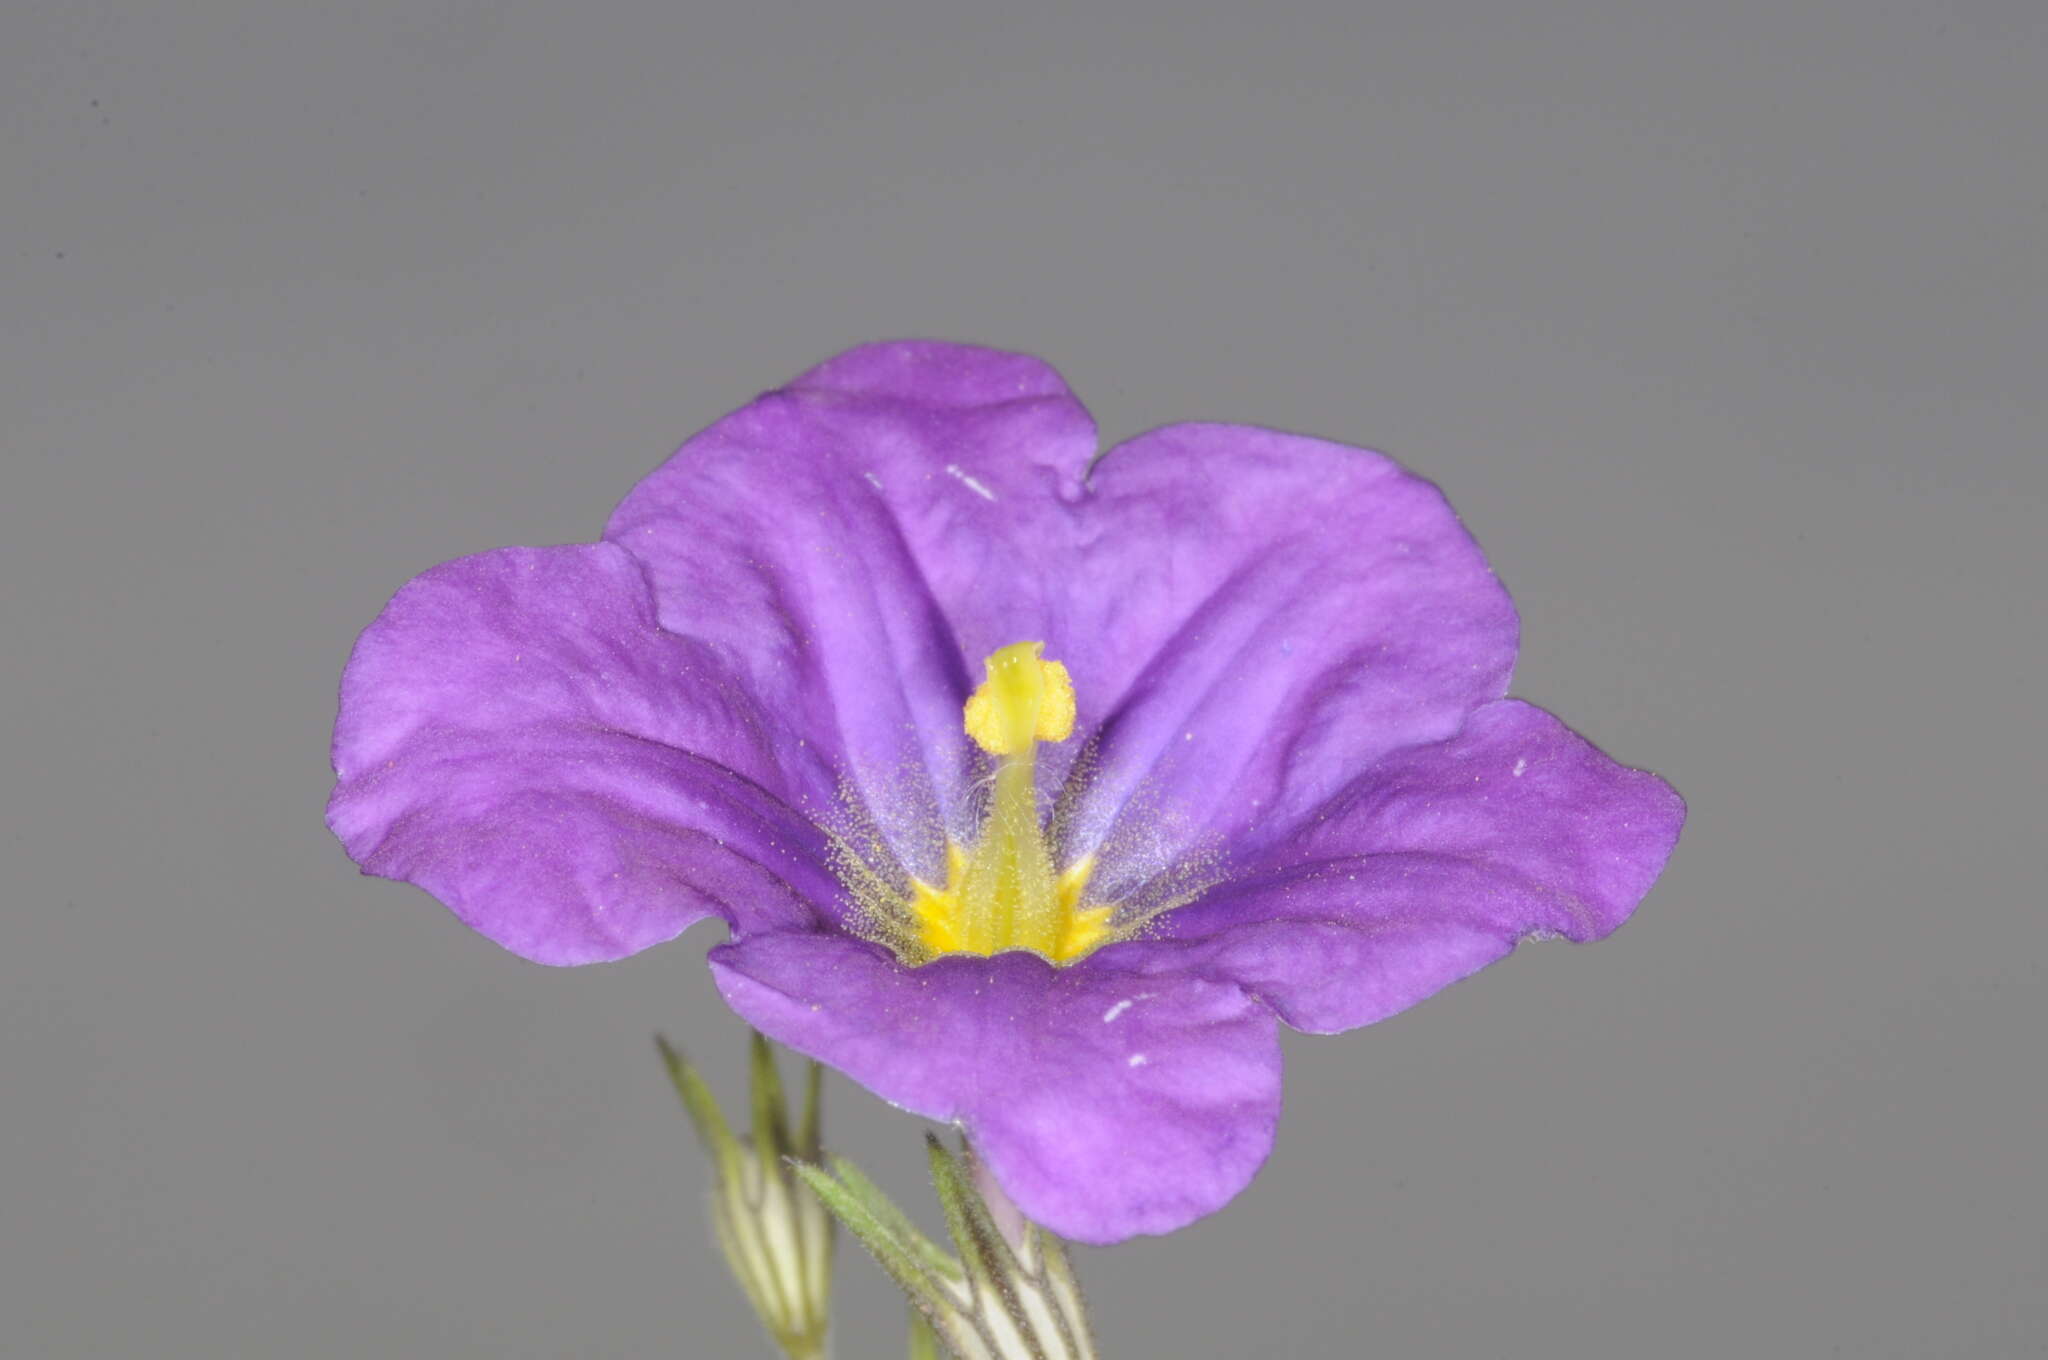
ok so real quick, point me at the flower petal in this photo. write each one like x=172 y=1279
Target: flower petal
x=1431 y=864
x=851 y=544
x=1106 y=1106
x=1274 y=613
x=519 y=738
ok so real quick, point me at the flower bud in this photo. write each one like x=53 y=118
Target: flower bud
x=775 y=1234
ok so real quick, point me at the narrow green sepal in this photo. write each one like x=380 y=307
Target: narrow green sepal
x=771 y=1119
x=991 y=1303
x=990 y=1262
x=1063 y=1289
x=967 y=1217
x=702 y=1107
x=927 y=1252
x=924 y=1344
x=808 y=1144
x=873 y=1232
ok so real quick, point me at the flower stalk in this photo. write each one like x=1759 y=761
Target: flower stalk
x=775 y=1235
x=997 y=1299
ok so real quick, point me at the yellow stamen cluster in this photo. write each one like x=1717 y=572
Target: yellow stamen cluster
x=1002 y=892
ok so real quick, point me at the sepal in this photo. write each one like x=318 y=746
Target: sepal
x=998 y=1299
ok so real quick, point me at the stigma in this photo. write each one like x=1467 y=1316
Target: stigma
x=1003 y=891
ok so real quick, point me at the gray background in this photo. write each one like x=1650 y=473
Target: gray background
x=1722 y=324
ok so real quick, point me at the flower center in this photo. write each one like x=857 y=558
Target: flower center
x=1002 y=892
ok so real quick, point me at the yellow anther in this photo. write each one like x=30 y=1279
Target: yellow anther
x=1072 y=882
x=1024 y=700
x=937 y=910
x=1083 y=932
x=1081 y=928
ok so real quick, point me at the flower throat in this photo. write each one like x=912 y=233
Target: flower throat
x=1003 y=888
x=1002 y=892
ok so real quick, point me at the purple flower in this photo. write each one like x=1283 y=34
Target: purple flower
x=1037 y=790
